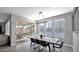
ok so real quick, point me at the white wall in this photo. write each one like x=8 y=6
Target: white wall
x=76 y=33
x=68 y=31
x=76 y=41
x=7 y=26
x=13 y=30
x=76 y=21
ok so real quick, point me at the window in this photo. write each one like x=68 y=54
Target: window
x=59 y=28
x=40 y=28
x=49 y=32
x=26 y=29
x=53 y=28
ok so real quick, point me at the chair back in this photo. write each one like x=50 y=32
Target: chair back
x=32 y=39
x=37 y=41
x=43 y=43
x=61 y=45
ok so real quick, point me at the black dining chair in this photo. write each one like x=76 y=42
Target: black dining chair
x=44 y=44
x=58 y=45
x=38 y=43
x=32 y=42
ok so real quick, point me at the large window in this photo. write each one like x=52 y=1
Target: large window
x=26 y=29
x=40 y=28
x=59 y=28
x=49 y=29
x=54 y=28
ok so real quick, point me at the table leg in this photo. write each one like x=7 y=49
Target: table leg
x=53 y=48
x=49 y=49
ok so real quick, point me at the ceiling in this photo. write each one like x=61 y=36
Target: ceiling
x=4 y=17
x=32 y=12
x=21 y=21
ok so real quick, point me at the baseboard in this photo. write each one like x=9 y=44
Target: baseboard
x=12 y=45
x=20 y=40
x=68 y=45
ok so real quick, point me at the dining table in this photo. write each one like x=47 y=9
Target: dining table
x=46 y=39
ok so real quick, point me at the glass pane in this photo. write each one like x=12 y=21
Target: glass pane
x=40 y=29
x=59 y=28
x=49 y=29
x=54 y=28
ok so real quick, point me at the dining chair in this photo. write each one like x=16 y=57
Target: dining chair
x=32 y=42
x=38 y=43
x=44 y=44
x=58 y=45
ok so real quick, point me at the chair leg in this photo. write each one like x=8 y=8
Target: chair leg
x=49 y=48
x=31 y=44
x=61 y=50
x=45 y=49
x=53 y=49
x=39 y=47
x=34 y=46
